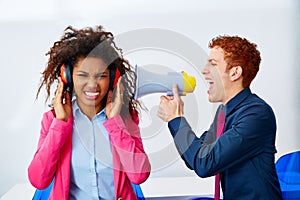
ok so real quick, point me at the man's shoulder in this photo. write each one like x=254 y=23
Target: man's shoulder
x=254 y=102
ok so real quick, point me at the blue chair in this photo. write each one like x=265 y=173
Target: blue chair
x=288 y=170
x=44 y=194
x=138 y=191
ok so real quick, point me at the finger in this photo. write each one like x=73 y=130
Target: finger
x=161 y=114
x=175 y=91
x=57 y=99
x=120 y=89
x=60 y=88
x=120 y=86
x=67 y=98
x=117 y=88
x=163 y=98
x=109 y=97
x=166 y=98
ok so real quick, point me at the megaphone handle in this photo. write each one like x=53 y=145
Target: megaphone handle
x=170 y=93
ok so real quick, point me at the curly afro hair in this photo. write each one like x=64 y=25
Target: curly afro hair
x=81 y=43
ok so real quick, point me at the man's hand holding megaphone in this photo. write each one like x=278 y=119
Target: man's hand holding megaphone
x=170 y=107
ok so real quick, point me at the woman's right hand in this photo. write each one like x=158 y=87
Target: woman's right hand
x=62 y=108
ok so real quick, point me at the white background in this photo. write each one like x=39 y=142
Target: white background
x=29 y=28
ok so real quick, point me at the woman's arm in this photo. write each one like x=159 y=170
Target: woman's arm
x=127 y=142
x=53 y=135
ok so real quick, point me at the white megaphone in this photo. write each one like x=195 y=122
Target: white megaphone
x=148 y=82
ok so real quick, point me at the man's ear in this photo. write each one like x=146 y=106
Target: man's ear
x=235 y=73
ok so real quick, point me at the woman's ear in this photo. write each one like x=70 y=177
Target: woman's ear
x=235 y=73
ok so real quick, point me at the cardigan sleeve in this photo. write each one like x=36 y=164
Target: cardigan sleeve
x=126 y=140
x=243 y=139
x=53 y=135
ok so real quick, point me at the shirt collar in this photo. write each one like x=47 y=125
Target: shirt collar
x=237 y=99
x=77 y=111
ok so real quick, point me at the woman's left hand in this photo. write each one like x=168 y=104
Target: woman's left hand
x=113 y=106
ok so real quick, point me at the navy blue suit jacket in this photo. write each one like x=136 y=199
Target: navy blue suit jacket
x=244 y=154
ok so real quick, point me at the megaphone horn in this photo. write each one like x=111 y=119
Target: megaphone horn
x=149 y=82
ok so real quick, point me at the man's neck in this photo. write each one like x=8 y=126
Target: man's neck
x=232 y=92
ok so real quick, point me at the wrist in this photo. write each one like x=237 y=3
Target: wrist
x=62 y=118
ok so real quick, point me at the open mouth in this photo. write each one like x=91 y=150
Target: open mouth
x=210 y=84
x=91 y=95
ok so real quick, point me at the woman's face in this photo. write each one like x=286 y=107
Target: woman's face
x=91 y=83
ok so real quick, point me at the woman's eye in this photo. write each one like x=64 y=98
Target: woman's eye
x=82 y=75
x=101 y=76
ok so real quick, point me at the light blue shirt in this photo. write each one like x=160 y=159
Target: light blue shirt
x=91 y=163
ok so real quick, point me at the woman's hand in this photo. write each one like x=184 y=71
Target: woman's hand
x=114 y=106
x=61 y=102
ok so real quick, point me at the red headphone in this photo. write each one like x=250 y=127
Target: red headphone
x=114 y=75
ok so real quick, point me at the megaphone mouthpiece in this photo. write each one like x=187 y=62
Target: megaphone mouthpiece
x=189 y=83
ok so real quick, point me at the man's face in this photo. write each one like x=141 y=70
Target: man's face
x=216 y=75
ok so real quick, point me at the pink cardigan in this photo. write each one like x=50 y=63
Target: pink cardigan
x=53 y=156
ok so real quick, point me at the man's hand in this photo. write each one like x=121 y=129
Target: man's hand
x=170 y=107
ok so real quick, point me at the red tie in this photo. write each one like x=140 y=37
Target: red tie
x=220 y=129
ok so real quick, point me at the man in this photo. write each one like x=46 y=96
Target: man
x=244 y=154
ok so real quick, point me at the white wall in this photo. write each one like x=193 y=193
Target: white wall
x=29 y=28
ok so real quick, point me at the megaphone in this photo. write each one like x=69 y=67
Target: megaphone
x=148 y=82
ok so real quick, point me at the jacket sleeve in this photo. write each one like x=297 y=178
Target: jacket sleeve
x=127 y=142
x=53 y=135
x=247 y=137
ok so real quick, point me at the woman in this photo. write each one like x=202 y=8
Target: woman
x=89 y=141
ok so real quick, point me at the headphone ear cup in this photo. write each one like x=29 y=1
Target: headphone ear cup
x=62 y=74
x=114 y=77
x=117 y=76
x=66 y=75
